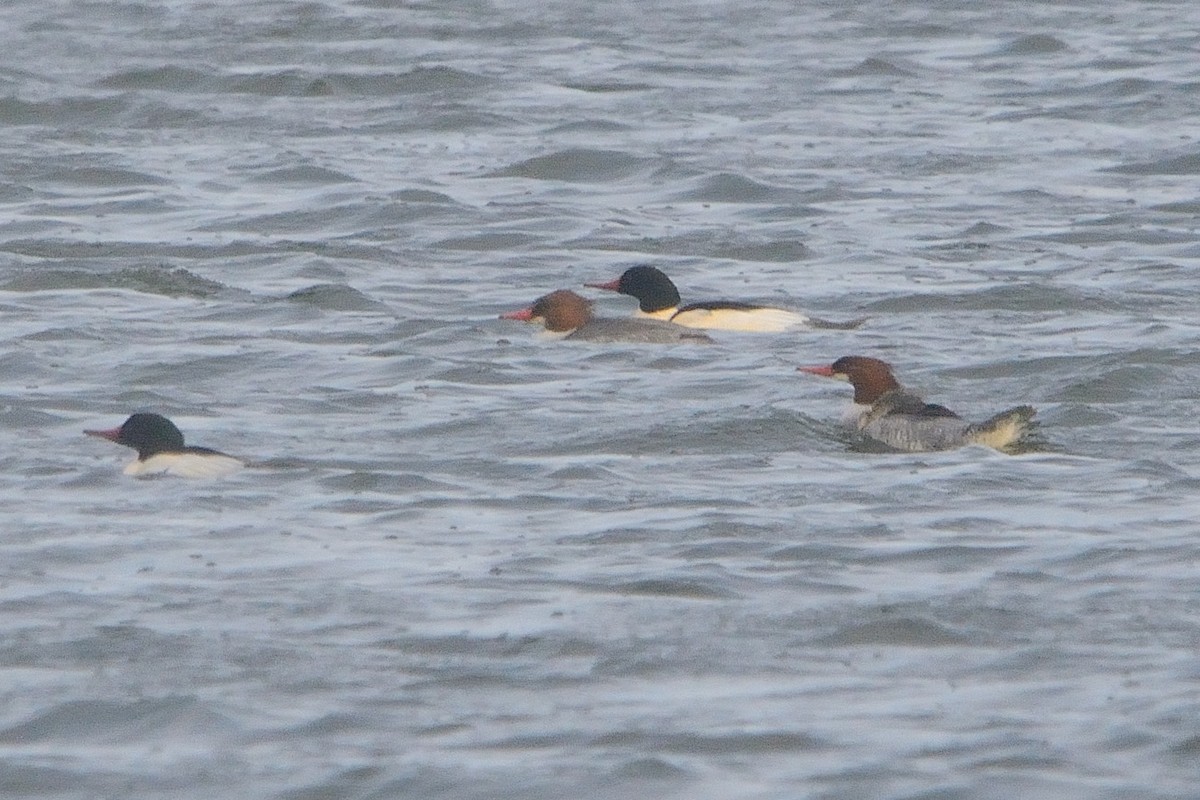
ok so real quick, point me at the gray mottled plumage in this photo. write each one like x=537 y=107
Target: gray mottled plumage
x=904 y=421
x=600 y=329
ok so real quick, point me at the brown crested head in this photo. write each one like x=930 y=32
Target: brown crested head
x=562 y=310
x=870 y=377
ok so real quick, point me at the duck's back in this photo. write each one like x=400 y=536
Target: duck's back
x=644 y=331
x=734 y=316
x=904 y=421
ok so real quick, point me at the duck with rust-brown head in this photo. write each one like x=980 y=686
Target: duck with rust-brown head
x=569 y=316
x=886 y=412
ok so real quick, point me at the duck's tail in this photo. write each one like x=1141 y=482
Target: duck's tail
x=828 y=324
x=1003 y=430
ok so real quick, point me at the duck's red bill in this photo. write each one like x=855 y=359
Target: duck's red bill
x=612 y=286
x=112 y=435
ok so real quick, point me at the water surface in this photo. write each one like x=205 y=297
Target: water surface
x=470 y=562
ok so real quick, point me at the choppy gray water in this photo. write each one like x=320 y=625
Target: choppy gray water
x=468 y=562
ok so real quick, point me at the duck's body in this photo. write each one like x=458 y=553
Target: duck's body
x=161 y=450
x=659 y=299
x=730 y=315
x=887 y=413
x=569 y=316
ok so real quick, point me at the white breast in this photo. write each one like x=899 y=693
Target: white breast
x=757 y=320
x=854 y=414
x=186 y=465
x=663 y=314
